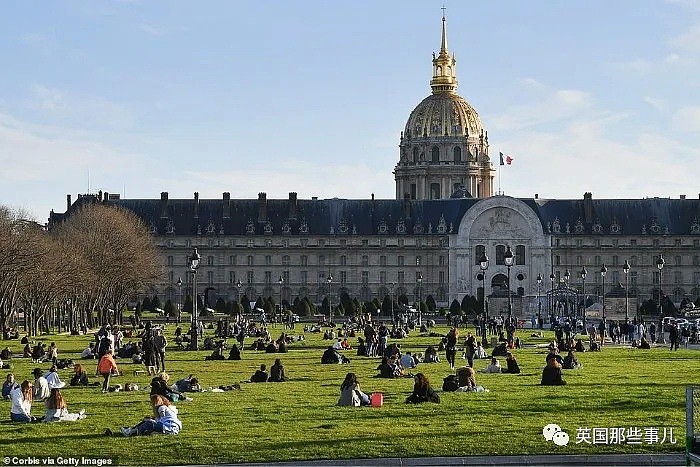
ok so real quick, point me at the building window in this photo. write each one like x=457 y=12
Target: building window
x=500 y=251
x=400 y=277
x=401 y=242
x=382 y=277
x=304 y=277
x=304 y=260
x=434 y=191
x=441 y=277
x=479 y=251
x=170 y=260
x=400 y=261
x=579 y=261
x=633 y=261
x=268 y=277
x=678 y=260
x=614 y=260
x=557 y=260
x=597 y=261
x=250 y=260
x=268 y=260
x=634 y=277
x=250 y=243
x=250 y=277
x=232 y=277
x=615 y=277
x=365 y=260
x=520 y=255
x=210 y=277
x=210 y=261
x=677 y=277
x=343 y=260
x=441 y=260
x=633 y=242
x=678 y=242
x=285 y=260
x=457 y=152
x=365 y=243
x=343 y=277
x=415 y=155
x=655 y=277
x=322 y=260
x=365 y=277
x=655 y=243
x=171 y=276
x=435 y=155
x=232 y=260
x=382 y=261
x=419 y=260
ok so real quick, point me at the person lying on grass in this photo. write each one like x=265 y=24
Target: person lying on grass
x=422 y=392
x=351 y=394
x=165 y=420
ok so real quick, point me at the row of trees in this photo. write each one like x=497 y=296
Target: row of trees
x=80 y=273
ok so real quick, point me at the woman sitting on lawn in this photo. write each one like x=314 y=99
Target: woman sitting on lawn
x=512 y=365
x=57 y=409
x=570 y=361
x=165 y=420
x=21 y=397
x=551 y=375
x=431 y=355
x=351 y=394
x=80 y=377
x=466 y=379
x=422 y=392
x=277 y=373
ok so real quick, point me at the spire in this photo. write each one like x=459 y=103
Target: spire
x=444 y=73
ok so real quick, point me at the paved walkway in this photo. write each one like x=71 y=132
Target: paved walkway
x=491 y=461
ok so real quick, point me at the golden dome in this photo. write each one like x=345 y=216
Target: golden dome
x=443 y=114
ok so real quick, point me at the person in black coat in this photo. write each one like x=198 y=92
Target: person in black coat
x=551 y=375
x=260 y=376
x=422 y=392
x=511 y=365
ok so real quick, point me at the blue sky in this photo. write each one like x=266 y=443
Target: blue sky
x=139 y=97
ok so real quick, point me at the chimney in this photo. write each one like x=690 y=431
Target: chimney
x=262 y=207
x=163 y=204
x=314 y=198
x=588 y=207
x=106 y=196
x=292 y=205
x=68 y=202
x=682 y=196
x=407 y=205
x=227 y=205
x=372 y=196
x=196 y=205
x=537 y=196
x=99 y=195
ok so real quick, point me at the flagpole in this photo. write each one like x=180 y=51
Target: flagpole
x=499 y=180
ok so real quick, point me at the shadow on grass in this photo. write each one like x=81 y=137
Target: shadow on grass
x=45 y=438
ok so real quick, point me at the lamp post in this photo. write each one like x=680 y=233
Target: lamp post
x=508 y=259
x=626 y=270
x=419 y=279
x=239 y=285
x=193 y=263
x=330 y=298
x=393 y=318
x=551 y=295
x=567 y=276
x=179 y=299
x=603 y=271
x=660 y=265
x=583 y=292
x=281 y=282
x=484 y=265
x=539 y=304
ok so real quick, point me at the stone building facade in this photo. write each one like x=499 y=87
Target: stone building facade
x=444 y=218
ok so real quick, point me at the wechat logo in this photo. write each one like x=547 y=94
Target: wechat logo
x=554 y=433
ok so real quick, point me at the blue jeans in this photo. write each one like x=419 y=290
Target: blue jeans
x=20 y=417
x=149 y=426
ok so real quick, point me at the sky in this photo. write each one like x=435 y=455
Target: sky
x=140 y=97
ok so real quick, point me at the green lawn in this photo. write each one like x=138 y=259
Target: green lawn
x=618 y=387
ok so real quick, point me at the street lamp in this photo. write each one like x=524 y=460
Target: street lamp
x=508 y=258
x=179 y=299
x=239 y=285
x=393 y=318
x=626 y=270
x=551 y=296
x=484 y=265
x=660 y=264
x=193 y=263
x=539 y=304
x=583 y=292
x=330 y=298
x=567 y=276
x=281 y=282
x=603 y=271
x=419 y=279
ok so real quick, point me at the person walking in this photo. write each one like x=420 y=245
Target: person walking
x=160 y=344
x=106 y=367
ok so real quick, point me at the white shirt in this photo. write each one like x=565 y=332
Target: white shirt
x=41 y=388
x=53 y=380
x=19 y=404
x=338 y=346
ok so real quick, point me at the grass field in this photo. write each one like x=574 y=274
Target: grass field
x=616 y=388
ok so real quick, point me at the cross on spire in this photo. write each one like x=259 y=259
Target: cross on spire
x=443 y=11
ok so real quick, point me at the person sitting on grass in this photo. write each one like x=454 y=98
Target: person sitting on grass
x=422 y=392
x=579 y=346
x=53 y=379
x=165 y=420
x=41 y=386
x=8 y=386
x=494 y=366
x=350 y=393
x=159 y=386
x=21 y=397
x=27 y=351
x=431 y=355
x=555 y=354
x=277 y=373
x=57 y=409
x=260 y=376
x=570 y=361
x=644 y=344
x=512 y=366
x=551 y=375
x=189 y=384
x=235 y=353
x=407 y=361
x=331 y=356
x=80 y=377
x=480 y=351
x=466 y=380
x=88 y=352
x=388 y=368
